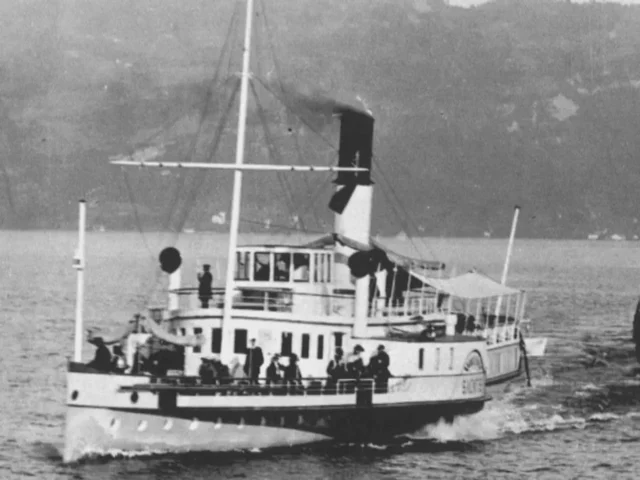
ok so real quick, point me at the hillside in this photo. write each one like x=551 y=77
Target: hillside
x=513 y=102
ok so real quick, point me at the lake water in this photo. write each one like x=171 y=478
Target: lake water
x=579 y=420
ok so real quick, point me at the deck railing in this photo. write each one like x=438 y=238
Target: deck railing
x=286 y=300
x=190 y=385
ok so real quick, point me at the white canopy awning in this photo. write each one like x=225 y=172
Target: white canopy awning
x=471 y=285
x=184 y=340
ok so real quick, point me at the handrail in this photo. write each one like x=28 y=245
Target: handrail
x=228 y=385
x=260 y=288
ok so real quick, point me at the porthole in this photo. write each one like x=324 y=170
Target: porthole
x=74 y=395
x=134 y=397
x=168 y=424
x=142 y=426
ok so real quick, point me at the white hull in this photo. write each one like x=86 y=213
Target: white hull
x=109 y=413
x=95 y=430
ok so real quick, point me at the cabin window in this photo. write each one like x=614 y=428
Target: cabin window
x=304 y=352
x=337 y=339
x=320 y=347
x=262 y=267
x=183 y=332
x=242 y=265
x=287 y=344
x=240 y=341
x=300 y=267
x=437 y=365
x=216 y=340
x=421 y=359
x=197 y=331
x=318 y=271
x=283 y=267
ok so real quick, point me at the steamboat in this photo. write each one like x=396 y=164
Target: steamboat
x=341 y=339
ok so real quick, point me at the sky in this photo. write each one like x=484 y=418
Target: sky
x=469 y=3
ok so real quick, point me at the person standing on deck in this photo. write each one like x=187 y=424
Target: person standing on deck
x=379 y=367
x=274 y=370
x=205 y=279
x=292 y=375
x=636 y=331
x=206 y=371
x=355 y=364
x=102 y=359
x=336 y=370
x=253 y=362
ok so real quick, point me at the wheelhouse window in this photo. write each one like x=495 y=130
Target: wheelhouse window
x=322 y=267
x=262 y=266
x=301 y=267
x=318 y=272
x=283 y=267
x=242 y=265
x=240 y=341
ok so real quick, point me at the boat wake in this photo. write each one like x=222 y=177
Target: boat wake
x=526 y=411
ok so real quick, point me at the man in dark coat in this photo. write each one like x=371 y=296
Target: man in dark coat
x=274 y=371
x=205 y=279
x=102 y=359
x=206 y=371
x=337 y=370
x=379 y=368
x=253 y=362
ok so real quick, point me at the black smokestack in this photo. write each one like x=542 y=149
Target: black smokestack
x=356 y=150
x=356 y=145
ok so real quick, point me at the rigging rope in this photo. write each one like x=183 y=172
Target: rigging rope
x=276 y=66
x=403 y=223
x=203 y=115
x=274 y=153
x=136 y=214
x=280 y=226
x=202 y=176
x=193 y=192
x=191 y=150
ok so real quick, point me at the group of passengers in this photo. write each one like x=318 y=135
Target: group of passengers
x=353 y=370
x=213 y=372
x=155 y=358
x=344 y=374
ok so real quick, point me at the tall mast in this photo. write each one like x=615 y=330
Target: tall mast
x=78 y=264
x=226 y=351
